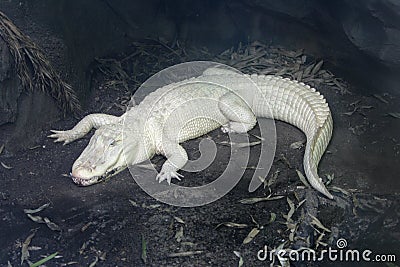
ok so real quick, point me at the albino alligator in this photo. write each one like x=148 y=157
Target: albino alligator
x=194 y=107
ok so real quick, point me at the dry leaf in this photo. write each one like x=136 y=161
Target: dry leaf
x=308 y=69
x=24 y=250
x=338 y=189
x=298 y=75
x=253 y=233
x=302 y=178
x=254 y=221
x=6 y=166
x=185 y=253
x=257 y=136
x=297 y=145
x=330 y=178
x=273 y=178
x=350 y=112
x=29 y=211
x=51 y=225
x=133 y=203
x=291 y=236
x=317 y=223
x=151 y=206
x=96 y=259
x=317 y=67
x=380 y=98
x=233 y=225
x=319 y=240
x=291 y=226
x=339 y=85
x=241 y=145
x=179 y=234
x=272 y=217
x=179 y=220
x=45 y=220
x=291 y=210
x=301 y=203
x=285 y=160
x=394 y=114
x=86 y=226
x=37 y=219
x=366 y=107
x=241 y=261
x=259 y=199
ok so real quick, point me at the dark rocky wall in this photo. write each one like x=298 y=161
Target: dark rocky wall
x=360 y=40
x=11 y=88
x=22 y=113
x=348 y=34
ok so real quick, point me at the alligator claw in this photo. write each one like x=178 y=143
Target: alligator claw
x=62 y=136
x=168 y=176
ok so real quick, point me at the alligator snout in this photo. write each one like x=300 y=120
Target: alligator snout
x=84 y=176
x=82 y=173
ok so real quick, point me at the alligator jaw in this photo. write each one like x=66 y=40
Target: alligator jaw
x=96 y=179
x=86 y=182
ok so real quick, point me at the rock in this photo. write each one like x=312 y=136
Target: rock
x=373 y=26
x=35 y=110
x=22 y=114
x=10 y=86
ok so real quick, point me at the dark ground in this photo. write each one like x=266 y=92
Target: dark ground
x=100 y=222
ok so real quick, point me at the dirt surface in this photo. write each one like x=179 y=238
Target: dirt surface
x=117 y=224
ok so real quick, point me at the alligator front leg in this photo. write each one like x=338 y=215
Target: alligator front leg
x=176 y=159
x=83 y=127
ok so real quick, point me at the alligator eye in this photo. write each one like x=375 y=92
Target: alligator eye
x=114 y=142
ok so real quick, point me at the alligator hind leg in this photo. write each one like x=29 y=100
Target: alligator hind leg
x=241 y=117
x=83 y=127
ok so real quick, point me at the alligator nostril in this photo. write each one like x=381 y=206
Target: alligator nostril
x=75 y=172
x=81 y=172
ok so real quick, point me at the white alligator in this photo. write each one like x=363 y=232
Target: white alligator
x=191 y=108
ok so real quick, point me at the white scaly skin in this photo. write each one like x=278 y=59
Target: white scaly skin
x=186 y=110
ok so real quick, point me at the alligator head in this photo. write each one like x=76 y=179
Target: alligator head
x=102 y=158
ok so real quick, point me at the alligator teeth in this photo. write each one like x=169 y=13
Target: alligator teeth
x=95 y=179
x=113 y=172
x=85 y=182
